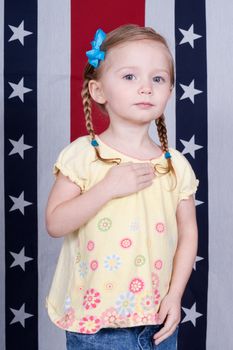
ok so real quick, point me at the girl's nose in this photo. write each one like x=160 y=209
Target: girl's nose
x=145 y=90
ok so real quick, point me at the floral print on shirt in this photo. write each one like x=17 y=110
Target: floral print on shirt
x=83 y=269
x=112 y=262
x=136 y=285
x=104 y=224
x=91 y=299
x=67 y=320
x=89 y=324
x=125 y=303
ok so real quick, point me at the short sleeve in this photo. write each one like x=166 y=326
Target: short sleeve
x=189 y=182
x=70 y=164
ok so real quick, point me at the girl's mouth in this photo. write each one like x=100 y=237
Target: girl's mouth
x=144 y=105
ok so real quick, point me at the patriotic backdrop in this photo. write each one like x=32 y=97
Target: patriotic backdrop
x=42 y=54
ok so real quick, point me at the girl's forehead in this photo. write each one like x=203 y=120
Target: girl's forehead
x=138 y=50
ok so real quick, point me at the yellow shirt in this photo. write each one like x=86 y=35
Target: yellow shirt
x=115 y=270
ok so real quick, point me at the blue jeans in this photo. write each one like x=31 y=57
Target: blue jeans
x=134 y=338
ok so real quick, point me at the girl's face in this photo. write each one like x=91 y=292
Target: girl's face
x=134 y=83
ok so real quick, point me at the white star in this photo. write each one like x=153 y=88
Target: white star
x=19 y=33
x=198 y=258
x=197 y=202
x=19 y=147
x=191 y=315
x=190 y=146
x=189 y=91
x=189 y=36
x=19 y=90
x=20 y=315
x=20 y=259
x=19 y=203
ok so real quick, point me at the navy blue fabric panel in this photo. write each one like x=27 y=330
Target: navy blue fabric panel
x=191 y=121
x=20 y=169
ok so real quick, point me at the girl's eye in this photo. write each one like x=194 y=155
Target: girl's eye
x=129 y=77
x=158 y=79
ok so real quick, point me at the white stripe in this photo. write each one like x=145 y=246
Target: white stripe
x=53 y=135
x=160 y=16
x=2 y=214
x=220 y=145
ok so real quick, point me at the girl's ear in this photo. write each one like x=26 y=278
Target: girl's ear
x=96 y=92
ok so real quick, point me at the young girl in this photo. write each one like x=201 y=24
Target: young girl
x=124 y=204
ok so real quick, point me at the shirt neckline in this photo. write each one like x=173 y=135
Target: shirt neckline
x=126 y=155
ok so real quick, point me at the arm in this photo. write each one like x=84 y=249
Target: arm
x=68 y=209
x=169 y=312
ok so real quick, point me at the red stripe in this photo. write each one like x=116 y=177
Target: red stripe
x=86 y=17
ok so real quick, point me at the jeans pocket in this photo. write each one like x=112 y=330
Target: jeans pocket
x=79 y=341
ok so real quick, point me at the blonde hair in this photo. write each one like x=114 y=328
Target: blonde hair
x=129 y=32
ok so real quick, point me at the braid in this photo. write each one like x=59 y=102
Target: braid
x=162 y=133
x=86 y=97
x=87 y=108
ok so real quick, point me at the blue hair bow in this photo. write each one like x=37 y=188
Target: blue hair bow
x=96 y=55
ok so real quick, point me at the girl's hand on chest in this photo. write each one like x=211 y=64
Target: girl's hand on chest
x=125 y=179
